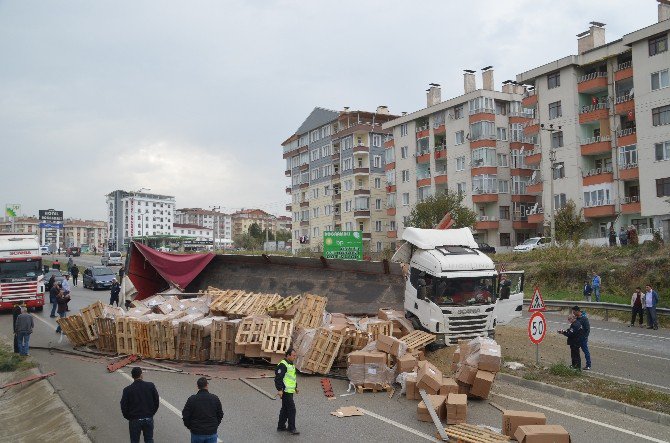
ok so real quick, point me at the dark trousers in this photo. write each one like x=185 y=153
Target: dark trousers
x=141 y=426
x=637 y=310
x=74 y=279
x=16 y=343
x=575 y=357
x=53 y=309
x=584 y=345
x=114 y=299
x=287 y=412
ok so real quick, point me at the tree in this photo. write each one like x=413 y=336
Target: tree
x=570 y=225
x=429 y=213
x=283 y=235
x=246 y=241
x=255 y=230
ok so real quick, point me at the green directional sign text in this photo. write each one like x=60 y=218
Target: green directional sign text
x=344 y=245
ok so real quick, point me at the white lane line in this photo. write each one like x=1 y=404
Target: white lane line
x=176 y=411
x=399 y=425
x=628 y=352
x=646 y=336
x=588 y=420
x=667 y=388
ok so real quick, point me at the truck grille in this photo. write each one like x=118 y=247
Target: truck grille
x=465 y=327
x=19 y=291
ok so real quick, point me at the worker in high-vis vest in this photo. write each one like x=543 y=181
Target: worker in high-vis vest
x=287 y=385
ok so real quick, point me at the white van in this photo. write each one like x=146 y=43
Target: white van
x=44 y=250
x=111 y=258
x=533 y=243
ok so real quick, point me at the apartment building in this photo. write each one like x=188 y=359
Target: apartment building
x=602 y=125
x=193 y=234
x=75 y=232
x=22 y=225
x=472 y=144
x=336 y=164
x=220 y=223
x=242 y=221
x=138 y=214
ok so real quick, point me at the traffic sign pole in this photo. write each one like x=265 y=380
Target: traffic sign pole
x=537 y=328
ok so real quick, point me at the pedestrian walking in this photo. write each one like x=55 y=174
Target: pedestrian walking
x=595 y=284
x=114 y=291
x=139 y=403
x=612 y=235
x=650 y=302
x=62 y=301
x=53 y=298
x=574 y=333
x=65 y=284
x=586 y=331
x=16 y=311
x=202 y=414
x=122 y=271
x=70 y=263
x=637 y=303
x=587 y=291
x=75 y=274
x=287 y=385
x=623 y=236
x=24 y=327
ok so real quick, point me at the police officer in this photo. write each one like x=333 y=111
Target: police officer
x=287 y=385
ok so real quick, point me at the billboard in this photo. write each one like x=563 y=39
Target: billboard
x=343 y=245
x=51 y=215
x=12 y=210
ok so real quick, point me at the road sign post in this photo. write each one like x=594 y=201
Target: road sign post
x=537 y=328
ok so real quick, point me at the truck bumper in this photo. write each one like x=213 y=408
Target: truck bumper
x=30 y=302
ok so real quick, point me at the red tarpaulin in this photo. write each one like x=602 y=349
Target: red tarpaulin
x=152 y=271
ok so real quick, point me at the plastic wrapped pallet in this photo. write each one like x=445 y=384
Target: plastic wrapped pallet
x=370 y=375
x=402 y=379
x=303 y=344
x=112 y=312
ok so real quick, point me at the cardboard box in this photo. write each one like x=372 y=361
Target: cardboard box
x=406 y=363
x=490 y=357
x=376 y=357
x=410 y=388
x=448 y=386
x=419 y=355
x=456 y=357
x=542 y=434
x=513 y=419
x=429 y=376
x=438 y=403
x=356 y=358
x=481 y=386
x=457 y=408
x=390 y=345
x=463 y=388
x=374 y=361
x=466 y=374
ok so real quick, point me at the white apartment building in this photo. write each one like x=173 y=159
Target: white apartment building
x=193 y=233
x=220 y=223
x=604 y=115
x=138 y=214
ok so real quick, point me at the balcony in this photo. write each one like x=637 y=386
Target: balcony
x=485 y=223
x=392 y=234
x=596 y=145
x=304 y=222
x=623 y=71
x=287 y=173
x=304 y=167
x=595 y=81
x=533 y=157
x=304 y=185
x=537 y=216
x=440 y=152
x=361 y=171
x=481 y=170
x=361 y=191
x=629 y=171
x=422 y=131
x=304 y=204
x=337 y=196
x=590 y=113
x=532 y=127
x=529 y=99
x=477 y=115
x=626 y=137
x=534 y=187
x=389 y=166
x=335 y=177
x=441 y=178
x=367 y=236
x=337 y=216
x=362 y=213
x=288 y=189
x=625 y=104
x=422 y=181
x=390 y=211
x=389 y=143
x=523 y=198
x=599 y=208
x=631 y=205
x=361 y=149
x=484 y=196
x=288 y=208
x=439 y=129
x=598 y=175
x=521 y=223
x=335 y=156
x=423 y=157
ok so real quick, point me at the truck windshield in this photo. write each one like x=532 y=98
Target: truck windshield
x=461 y=291
x=20 y=269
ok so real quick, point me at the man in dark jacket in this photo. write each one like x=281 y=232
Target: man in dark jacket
x=53 y=298
x=574 y=334
x=202 y=414
x=16 y=311
x=114 y=292
x=586 y=328
x=74 y=270
x=139 y=404
x=287 y=385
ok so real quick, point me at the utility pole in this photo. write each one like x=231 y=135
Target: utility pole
x=215 y=225
x=552 y=167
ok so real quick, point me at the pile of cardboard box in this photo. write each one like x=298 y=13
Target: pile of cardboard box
x=475 y=364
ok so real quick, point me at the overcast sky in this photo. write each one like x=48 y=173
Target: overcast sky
x=194 y=98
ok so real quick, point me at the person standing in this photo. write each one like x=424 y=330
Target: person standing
x=637 y=303
x=53 y=297
x=287 y=385
x=75 y=274
x=202 y=414
x=114 y=291
x=650 y=302
x=70 y=263
x=595 y=284
x=574 y=333
x=122 y=271
x=65 y=284
x=62 y=301
x=587 y=291
x=139 y=404
x=16 y=311
x=623 y=236
x=55 y=264
x=612 y=235
x=586 y=331
x=24 y=327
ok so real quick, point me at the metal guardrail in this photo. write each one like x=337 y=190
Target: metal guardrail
x=594 y=305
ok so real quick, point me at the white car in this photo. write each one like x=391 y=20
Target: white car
x=533 y=243
x=111 y=258
x=44 y=250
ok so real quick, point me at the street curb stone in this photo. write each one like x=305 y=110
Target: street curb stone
x=612 y=405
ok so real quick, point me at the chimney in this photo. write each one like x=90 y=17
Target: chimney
x=663 y=10
x=487 y=78
x=592 y=38
x=518 y=89
x=508 y=87
x=382 y=110
x=469 y=81
x=433 y=94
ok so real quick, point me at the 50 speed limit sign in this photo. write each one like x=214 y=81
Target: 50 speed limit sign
x=537 y=328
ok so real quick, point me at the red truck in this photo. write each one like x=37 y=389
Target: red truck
x=21 y=278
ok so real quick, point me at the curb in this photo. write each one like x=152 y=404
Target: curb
x=612 y=405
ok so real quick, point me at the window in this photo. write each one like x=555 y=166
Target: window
x=460 y=137
x=326 y=150
x=314 y=155
x=423 y=193
x=378 y=182
x=559 y=170
x=504 y=212
x=659 y=80
x=481 y=104
x=346 y=164
x=376 y=140
x=403 y=129
x=505 y=239
x=484 y=184
x=379 y=246
x=628 y=156
x=554 y=80
x=556 y=139
x=660 y=116
x=405 y=175
x=663 y=187
x=503 y=160
x=460 y=163
x=362 y=204
x=501 y=134
x=501 y=108
x=403 y=152
x=390 y=177
x=560 y=201
x=304 y=158
x=327 y=210
x=347 y=206
x=314 y=136
x=377 y=161
x=658 y=44
x=389 y=155
x=315 y=212
x=405 y=199
x=503 y=186
x=483 y=157
x=458 y=112
x=378 y=203
x=516 y=132
x=392 y=225
x=348 y=185
x=378 y=226
x=555 y=110
x=349 y=226
x=482 y=130
x=662 y=151
x=390 y=200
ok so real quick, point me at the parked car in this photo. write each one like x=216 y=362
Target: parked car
x=111 y=258
x=486 y=248
x=73 y=251
x=44 y=250
x=98 y=277
x=59 y=276
x=533 y=243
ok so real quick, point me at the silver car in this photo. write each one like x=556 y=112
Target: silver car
x=111 y=258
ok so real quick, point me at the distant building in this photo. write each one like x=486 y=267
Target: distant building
x=284 y=223
x=193 y=233
x=242 y=221
x=75 y=232
x=220 y=223
x=23 y=225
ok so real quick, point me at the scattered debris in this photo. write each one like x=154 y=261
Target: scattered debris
x=121 y=363
x=514 y=366
x=467 y=433
x=327 y=388
x=259 y=389
x=347 y=411
x=28 y=380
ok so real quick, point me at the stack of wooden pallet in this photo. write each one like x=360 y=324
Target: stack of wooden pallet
x=318 y=350
x=125 y=340
x=88 y=315
x=238 y=304
x=276 y=339
x=248 y=341
x=309 y=311
x=161 y=333
x=75 y=329
x=106 y=328
x=380 y=327
x=193 y=340
x=417 y=339
x=285 y=308
x=223 y=340
x=353 y=340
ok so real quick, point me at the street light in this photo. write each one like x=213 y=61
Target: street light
x=553 y=167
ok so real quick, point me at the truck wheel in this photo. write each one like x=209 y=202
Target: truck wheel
x=39 y=309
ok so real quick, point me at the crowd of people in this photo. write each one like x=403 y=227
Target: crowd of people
x=626 y=236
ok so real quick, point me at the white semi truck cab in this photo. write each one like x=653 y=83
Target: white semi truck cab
x=452 y=289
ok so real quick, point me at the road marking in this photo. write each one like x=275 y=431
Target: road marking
x=667 y=388
x=398 y=425
x=588 y=420
x=176 y=411
x=647 y=336
x=629 y=352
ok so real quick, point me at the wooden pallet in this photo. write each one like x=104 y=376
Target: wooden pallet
x=161 y=339
x=418 y=339
x=375 y=329
x=310 y=311
x=280 y=307
x=88 y=315
x=222 y=299
x=222 y=339
x=250 y=334
x=141 y=338
x=323 y=351
x=125 y=342
x=354 y=340
x=75 y=329
x=384 y=388
x=276 y=335
x=106 y=328
x=466 y=433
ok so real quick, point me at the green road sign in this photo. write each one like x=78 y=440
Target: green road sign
x=344 y=245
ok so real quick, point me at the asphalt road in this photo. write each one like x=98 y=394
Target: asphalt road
x=93 y=394
x=83 y=260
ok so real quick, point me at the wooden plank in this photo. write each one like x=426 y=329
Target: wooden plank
x=310 y=311
x=354 y=340
x=418 y=339
x=121 y=363
x=276 y=335
x=468 y=433
x=88 y=315
x=125 y=342
x=375 y=329
x=281 y=306
x=27 y=380
x=75 y=329
x=106 y=328
x=323 y=351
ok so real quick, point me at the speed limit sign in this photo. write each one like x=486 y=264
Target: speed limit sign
x=537 y=327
